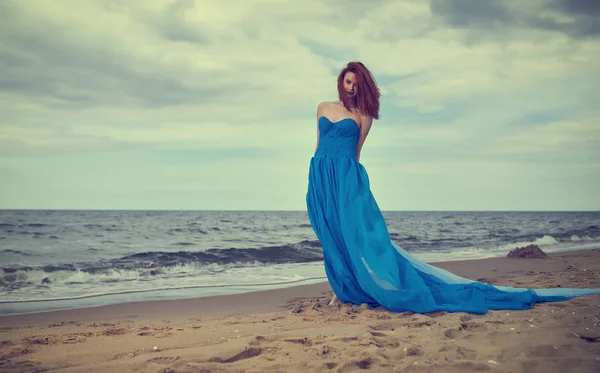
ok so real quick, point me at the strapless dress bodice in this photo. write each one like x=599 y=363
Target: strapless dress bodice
x=337 y=139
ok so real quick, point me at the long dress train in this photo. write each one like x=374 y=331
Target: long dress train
x=363 y=265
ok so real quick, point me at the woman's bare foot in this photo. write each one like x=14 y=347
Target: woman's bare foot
x=334 y=300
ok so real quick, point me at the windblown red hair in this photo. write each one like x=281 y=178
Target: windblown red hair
x=367 y=92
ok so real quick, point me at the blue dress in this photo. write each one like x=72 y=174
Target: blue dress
x=363 y=265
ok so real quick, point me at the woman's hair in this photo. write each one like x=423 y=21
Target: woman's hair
x=367 y=93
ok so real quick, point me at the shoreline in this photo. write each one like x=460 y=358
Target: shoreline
x=262 y=301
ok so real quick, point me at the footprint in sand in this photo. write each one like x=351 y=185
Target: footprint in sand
x=64 y=323
x=19 y=366
x=381 y=339
x=345 y=339
x=102 y=325
x=248 y=353
x=417 y=324
x=40 y=340
x=458 y=352
x=330 y=365
x=472 y=326
x=54 y=339
x=303 y=341
x=383 y=326
x=414 y=351
x=258 y=338
x=17 y=352
x=363 y=364
x=157 y=332
x=5 y=343
x=114 y=331
x=378 y=334
x=451 y=333
x=324 y=350
x=74 y=339
x=163 y=360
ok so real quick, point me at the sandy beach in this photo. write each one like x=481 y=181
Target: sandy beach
x=293 y=330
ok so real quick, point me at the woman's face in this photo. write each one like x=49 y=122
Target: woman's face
x=350 y=84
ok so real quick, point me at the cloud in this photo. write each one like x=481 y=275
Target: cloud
x=553 y=137
x=110 y=98
x=472 y=13
x=138 y=61
x=574 y=18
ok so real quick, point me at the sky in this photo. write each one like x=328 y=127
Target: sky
x=211 y=105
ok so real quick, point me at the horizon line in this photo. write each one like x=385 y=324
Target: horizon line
x=267 y=210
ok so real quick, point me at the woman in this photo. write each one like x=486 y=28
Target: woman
x=362 y=264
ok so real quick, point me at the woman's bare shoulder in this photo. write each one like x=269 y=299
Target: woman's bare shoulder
x=325 y=107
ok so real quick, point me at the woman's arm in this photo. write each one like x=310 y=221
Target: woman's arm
x=319 y=114
x=365 y=127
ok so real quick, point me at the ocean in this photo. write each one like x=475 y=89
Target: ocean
x=61 y=259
